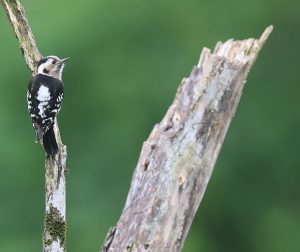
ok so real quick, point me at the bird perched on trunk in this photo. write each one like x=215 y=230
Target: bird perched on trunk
x=44 y=97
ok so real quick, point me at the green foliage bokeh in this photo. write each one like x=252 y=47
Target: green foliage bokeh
x=127 y=59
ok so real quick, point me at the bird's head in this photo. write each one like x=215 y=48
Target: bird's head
x=52 y=66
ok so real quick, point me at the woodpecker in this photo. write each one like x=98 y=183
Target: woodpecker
x=44 y=97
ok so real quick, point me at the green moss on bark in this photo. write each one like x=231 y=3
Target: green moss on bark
x=55 y=227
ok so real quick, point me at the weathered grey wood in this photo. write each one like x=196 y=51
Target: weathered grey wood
x=55 y=209
x=177 y=159
x=16 y=15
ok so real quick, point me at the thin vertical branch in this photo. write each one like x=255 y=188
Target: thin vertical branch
x=55 y=209
x=16 y=15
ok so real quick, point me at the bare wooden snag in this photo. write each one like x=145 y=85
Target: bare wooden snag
x=177 y=159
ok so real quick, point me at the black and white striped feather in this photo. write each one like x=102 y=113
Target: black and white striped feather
x=44 y=97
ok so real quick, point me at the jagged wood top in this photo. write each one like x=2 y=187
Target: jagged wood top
x=177 y=159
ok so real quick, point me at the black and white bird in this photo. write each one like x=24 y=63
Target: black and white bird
x=44 y=97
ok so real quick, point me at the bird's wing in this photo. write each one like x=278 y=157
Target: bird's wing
x=44 y=98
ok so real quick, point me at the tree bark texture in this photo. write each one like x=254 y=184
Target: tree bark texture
x=178 y=158
x=55 y=209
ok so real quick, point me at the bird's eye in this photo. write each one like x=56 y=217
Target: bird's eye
x=53 y=62
x=45 y=71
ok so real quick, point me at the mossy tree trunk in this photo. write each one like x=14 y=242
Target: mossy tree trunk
x=55 y=200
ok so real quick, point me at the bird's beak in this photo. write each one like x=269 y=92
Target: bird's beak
x=62 y=61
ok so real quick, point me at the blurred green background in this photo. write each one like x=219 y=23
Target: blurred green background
x=128 y=58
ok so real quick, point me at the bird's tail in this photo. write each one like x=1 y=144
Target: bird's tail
x=50 y=144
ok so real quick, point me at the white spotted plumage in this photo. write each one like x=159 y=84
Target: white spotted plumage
x=45 y=94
